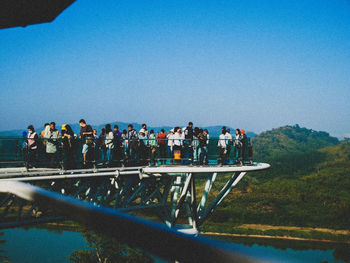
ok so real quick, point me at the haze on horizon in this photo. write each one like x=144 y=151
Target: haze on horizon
x=252 y=64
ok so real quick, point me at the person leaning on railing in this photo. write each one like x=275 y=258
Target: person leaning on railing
x=195 y=146
x=143 y=148
x=222 y=146
x=187 y=151
x=132 y=144
x=109 y=144
x=118 y=146
x=68 y=147
x=52 y=136
x=229 y=142
x=32 y=144
x=203 y=149
x=125 y=147
x=161 y=139
x=178 y=145
x=238 y=147
x=170 y=138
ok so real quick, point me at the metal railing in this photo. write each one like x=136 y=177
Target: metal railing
x=152 y=237
x=16 y=152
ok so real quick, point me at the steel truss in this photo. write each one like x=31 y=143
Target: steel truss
x=168 y=191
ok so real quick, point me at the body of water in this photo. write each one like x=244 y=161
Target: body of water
x=40 y=245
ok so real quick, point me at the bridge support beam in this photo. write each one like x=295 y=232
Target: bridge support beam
x=168 y=191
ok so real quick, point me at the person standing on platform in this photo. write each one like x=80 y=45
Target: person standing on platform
x=152 y=142
x=68 y=143
x=109 y=144
x=144 y=129
x=52 y=136
x=195 y=146
x=132 y=138
x=244 y=141
x=118 y=147
x=187 y=143
x=125 y=147
x=178 y=145
x=86 y=135
x=170 y=138
x=205 y=157
x=143 y=149
x=32 y=140
x=228 y=137
x=161 y=138
x=222 y=146
x=42 y=160
x=202 y=150
x=102 y=147
x=238 y=147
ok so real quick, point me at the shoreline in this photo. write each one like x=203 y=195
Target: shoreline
x=78 y=228
x=272 y=237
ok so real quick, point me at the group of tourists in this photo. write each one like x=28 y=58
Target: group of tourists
x=112 y=147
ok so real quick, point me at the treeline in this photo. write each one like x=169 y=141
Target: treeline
x=308 y=189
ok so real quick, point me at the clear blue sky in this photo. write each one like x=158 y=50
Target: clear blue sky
x=251 y=64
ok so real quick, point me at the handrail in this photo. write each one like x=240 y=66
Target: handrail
x=68 y=155
x=152 y=237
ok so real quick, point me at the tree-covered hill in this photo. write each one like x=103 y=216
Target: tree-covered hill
x=289 y=140
x=302 y=189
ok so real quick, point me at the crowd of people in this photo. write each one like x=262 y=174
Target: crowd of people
x=112 y=147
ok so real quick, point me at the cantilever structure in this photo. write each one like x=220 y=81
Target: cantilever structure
x=169 y=190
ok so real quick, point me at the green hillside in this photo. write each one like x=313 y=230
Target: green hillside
x=289 y=140
x=301 y=189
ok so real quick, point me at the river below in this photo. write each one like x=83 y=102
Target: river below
x=41 y=245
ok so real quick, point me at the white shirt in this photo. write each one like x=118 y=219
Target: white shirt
x=178 y=139
x=228 y=137
x=207 y=138
x=145 y=131
x=109 y=140
x=170 y=139
x=222 y=141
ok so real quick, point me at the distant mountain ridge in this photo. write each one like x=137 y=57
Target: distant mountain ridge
x=214 y=131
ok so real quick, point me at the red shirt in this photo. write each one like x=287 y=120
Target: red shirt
x=161 y=138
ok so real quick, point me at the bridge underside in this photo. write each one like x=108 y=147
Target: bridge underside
x=15 y=13
x=180 y=196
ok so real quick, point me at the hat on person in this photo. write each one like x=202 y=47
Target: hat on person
x=242 y=131
x=24 y=133
x=64 y=127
